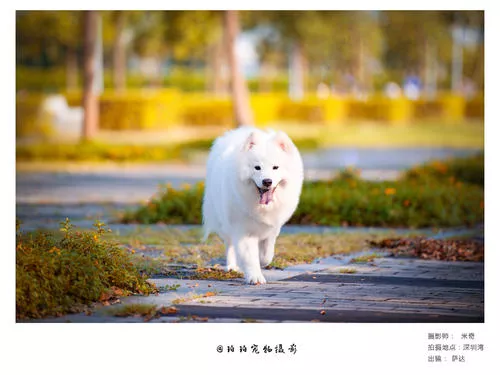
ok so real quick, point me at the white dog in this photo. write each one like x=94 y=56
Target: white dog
x=253 y=184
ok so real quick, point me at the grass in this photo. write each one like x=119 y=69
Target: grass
x=194 y=296
x=66 y=273
x=158 y=146
x=123 y=153
x=133 y=309
x=186 y=249
x=365 y=258
x=467 y=170
x=439 y=194
x=348 y=270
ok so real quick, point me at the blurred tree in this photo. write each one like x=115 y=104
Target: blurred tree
x=119 y=50
x=319 y=43
x=298 y=30
x=149 y=41
x=90 y=101
x=45 y=34
x=201 y=43
x=467 y=48
x=239 y=91
x=417 y=41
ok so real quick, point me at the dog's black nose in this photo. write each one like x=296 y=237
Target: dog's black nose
x=267 y=182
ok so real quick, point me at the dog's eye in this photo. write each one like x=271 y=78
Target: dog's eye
x=257 y=168
x=275 y=167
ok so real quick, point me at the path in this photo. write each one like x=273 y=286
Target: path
x=387 y=290
x=135 y=183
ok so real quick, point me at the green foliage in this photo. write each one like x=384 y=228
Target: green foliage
x=389 y=204
x=95 y=152
x=467 y=170
x=345 y=201
x=60 y=274
x=365 y=258
x=171 y=206
x=133 y=309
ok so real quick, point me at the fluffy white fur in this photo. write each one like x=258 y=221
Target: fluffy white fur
x=238 y=206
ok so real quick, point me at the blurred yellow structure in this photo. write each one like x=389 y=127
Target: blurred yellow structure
x=167 y=108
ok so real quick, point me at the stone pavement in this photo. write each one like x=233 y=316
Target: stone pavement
x=386 y=290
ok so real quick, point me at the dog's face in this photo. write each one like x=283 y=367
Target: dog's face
x=266 y=162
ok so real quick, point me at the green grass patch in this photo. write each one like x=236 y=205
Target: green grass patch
x=365 y=258
x=134 y=309
x=61 y=274
x=465 y=170
x=186 y=249
x=105 y=152
x=215 y=274
x=415 y=201
x=348 y=270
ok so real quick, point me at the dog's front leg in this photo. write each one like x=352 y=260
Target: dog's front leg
x=247 y=255
x=266 y=250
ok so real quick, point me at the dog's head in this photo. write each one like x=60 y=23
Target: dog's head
x=267 y=162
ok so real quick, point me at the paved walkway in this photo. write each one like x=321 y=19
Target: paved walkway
x=386 y=290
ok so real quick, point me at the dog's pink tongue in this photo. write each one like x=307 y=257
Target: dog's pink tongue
x=266 y=197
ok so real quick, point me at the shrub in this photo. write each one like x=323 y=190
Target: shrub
x=389 y=204
x=89 y=151
x=344 y=201
x=203 y=110
x=60 y=275
x=380 y=108
x=474 y=108
x=30 y=118
x=94 y=151
x=469 y=170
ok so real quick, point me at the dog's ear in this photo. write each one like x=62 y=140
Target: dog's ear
x=250 y=142
x=283 y=141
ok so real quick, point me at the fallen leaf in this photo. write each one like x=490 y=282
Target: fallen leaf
x=323 y=312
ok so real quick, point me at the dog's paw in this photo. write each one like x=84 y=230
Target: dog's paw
x=255 y=278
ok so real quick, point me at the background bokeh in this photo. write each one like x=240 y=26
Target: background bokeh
x=165 y=76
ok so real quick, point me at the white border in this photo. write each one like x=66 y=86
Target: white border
x=190 y=348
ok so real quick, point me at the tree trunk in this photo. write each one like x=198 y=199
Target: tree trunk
x=361 y=83
x=265 y=78
x=240 y=97
x=457 y=59
x=71 y=70
x=119 y=53
x=296 y=72
x=478 y=70
x=215 y=72
x=90 y=102
x=430 y=69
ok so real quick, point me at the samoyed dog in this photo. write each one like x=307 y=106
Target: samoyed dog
x=253 y=185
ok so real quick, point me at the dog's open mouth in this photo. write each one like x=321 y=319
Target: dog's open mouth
x=266 y=194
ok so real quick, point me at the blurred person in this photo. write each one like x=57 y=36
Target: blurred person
x=412 y=86
x=322 y=91
x=392 y=90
